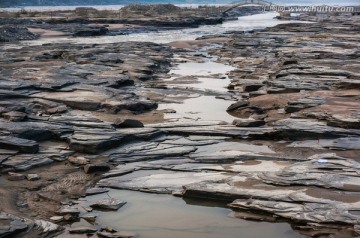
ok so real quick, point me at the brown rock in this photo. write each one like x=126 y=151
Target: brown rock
x=237 y=105
x=78 y=160
x=32 y=177
x=15 y=176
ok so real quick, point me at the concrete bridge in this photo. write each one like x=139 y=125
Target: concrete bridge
x=249 y=2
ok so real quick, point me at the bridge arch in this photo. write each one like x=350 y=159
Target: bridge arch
x=249 y=2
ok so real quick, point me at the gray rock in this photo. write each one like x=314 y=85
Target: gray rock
x=310 y=172
x=342 y=121
x=305 y=128
x=161 y=182
x=91 y=31
x=347 y=143
x=47 y=227
x=248 y=123
x=14 y=33
x=23 y=145
x=93 y=191
x=68 y=210
x=11 y=225
x=82 y=230
x=98 y=140
x=89 y=217
x=108 y=204
x=24 y=162
x=36 y=131
x=122 y=234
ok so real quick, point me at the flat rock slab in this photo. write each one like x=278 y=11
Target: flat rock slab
x=307 y=128
x=308 y=212
x=248 y=123
x=68 y=210
x=108 y=204
x=91 y=218
x=161 y=182
x=93 y=191
x=122 y=234
x=347 y=143
x=297 y=105
x=24 y=162
x=11 y=225
x=82 y=230
x=341 y=173
x=47 y=227
x=35 y=130
x=98 y=140
x=23 y=145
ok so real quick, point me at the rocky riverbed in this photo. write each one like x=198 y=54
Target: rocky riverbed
x=279 y=143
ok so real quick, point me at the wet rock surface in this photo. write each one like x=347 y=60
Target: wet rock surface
x=108 y=204
x=11 y=225
x=70 y=114
x=116 y=235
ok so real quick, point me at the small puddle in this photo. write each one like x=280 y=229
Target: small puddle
x=212 y=84
x=201 y=69
x=210 y=78
x=200 y=108
x=163 y=216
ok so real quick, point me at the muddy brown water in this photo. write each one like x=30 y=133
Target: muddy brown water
x=163 y=216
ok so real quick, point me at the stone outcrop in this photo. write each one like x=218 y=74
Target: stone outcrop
x=13 y=34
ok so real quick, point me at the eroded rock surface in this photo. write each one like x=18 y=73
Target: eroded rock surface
x=291 y=153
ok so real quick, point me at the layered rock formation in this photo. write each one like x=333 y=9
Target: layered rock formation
x=291 y=155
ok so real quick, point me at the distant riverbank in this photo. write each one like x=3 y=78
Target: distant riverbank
x=115 y=5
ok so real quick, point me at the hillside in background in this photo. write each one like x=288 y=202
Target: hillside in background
x=24 y=3
x=19 y=3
